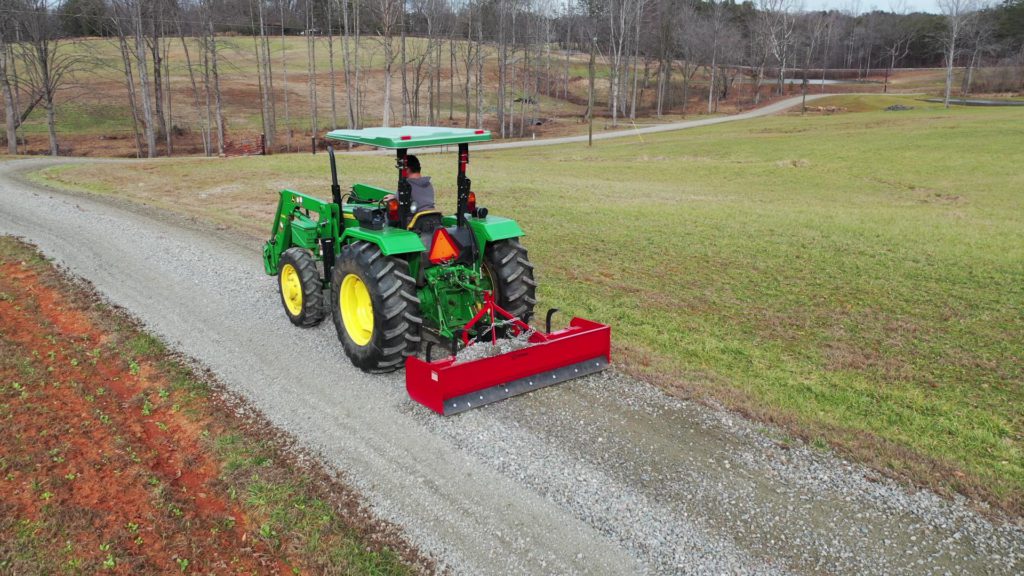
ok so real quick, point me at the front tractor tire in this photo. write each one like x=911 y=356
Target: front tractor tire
x=375 y=308
x=510 y=272
x=302 y=294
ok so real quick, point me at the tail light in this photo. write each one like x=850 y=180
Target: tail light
x=471 y=203
x=393 y=210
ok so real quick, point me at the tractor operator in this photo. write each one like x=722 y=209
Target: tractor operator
x=422 y=189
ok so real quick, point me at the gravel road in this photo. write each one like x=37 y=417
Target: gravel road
x=603 y=475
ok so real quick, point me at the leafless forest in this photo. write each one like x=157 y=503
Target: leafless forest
x=483 y=63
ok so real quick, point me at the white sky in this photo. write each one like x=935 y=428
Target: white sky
x=866 y=5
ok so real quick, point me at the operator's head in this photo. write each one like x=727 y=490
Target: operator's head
x=413 y=163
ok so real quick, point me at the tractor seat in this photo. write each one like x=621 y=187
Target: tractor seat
x=425 y=222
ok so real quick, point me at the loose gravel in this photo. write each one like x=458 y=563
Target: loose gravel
x=602 y=475
x=488 y=349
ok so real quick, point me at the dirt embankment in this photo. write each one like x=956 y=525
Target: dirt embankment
x=115 y=458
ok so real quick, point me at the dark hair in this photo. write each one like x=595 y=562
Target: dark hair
x=413 y=163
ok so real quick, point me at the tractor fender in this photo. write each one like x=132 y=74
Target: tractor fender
x=391 y=241
x=494 y=228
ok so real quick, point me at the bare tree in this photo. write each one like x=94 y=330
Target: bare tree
x=310 y=32
x=330 y=64
x=120 y=16
x=154 y=20
x=9 y=83
x=48 y=64
x=10 y=113
x=265 y=74
x=781 y=29
x=637 y=22
x=717 y=22
x=621 y=14
x=387 y=13
x=958 y=13
x=979 y=41
x=765 y=20
x=814 y=28
x=897 y=39
x=212 y=71
x=284 y=71
x=347 y=65
x=205 y=126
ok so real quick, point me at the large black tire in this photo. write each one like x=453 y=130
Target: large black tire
x=396 y=317
x=511 y=274
x=302 y=293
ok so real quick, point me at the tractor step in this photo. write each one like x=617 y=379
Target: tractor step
x=448 y=386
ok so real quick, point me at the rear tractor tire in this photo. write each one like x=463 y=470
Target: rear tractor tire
x=375 y=308
x=302 y=293
x=511 y=275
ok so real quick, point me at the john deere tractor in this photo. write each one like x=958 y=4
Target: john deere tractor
x=392 y=276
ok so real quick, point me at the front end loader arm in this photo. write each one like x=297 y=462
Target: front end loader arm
x=294 y=225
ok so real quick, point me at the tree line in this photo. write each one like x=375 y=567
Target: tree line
x=484 y=62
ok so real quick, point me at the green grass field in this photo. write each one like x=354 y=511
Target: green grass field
x=855 y=278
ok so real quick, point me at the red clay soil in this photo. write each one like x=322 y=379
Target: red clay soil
x=87 y=481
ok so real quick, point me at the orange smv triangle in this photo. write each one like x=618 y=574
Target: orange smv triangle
x=443 y=248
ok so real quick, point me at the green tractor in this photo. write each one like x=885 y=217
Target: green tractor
x=397 y=281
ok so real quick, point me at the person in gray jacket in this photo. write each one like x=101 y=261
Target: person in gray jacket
x=422 y=189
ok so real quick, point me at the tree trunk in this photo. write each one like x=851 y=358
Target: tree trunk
x=51 y=124
x=590 y=98
x=330 y=62
x=195 y=95
x=218 y=104
x=167 y=93
x=158 y=85
x=502 y=71
x=314 y=121
x=405 y=79
x=758 y=81
x=284 y=71
x=356 y=66
x=661 y=87
x=267 y=81
x=142 y=66
x=965 y=87
x=347 y=65
x=10 y=111
x=950 y=55
x=451 y=75
x=479 y=73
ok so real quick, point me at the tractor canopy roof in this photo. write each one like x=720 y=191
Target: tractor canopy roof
x=410 y=136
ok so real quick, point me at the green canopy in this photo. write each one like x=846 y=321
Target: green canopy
x=410 y=136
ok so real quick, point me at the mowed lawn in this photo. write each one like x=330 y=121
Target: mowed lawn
x=857 y=278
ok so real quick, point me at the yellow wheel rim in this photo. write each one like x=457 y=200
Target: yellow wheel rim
x=291 y=289
x=356 y=309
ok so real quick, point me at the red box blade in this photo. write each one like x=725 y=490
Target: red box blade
x=449 y=387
